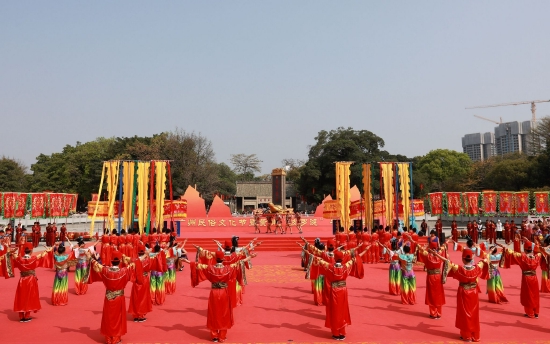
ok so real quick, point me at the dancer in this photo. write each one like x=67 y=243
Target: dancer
x=140 y=298
x=115 y=279
x=82 y=271
x=528 y=262
x=279 y=224
x=298 y=216
x=495 y=287
x=394 y=270
x=105 y=254
x=454 y=230
x=256 y=223
x=63 y=233
x=220 y=311
x=36 y=234
x=435 y=295
x=467 y=308
x=337 y=307
x=288 y=222
x=172 y=252
x=27 y=299
x=408 y=279
x=158 y=293
x=269 y=220
x=60 y=290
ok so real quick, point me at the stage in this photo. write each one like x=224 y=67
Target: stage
x=278 y=308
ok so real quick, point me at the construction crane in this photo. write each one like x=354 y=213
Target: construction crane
x=490 y=120
x=532 y=102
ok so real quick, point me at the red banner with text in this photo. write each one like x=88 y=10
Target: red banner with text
x=20 y=205
x=436 y=203
x=489 y=203
x=471 y=203
x=541 y=203
x=454 y=203
x=521 y=203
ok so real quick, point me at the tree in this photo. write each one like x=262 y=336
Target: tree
x=13 y=175
x=246 y=165
x=445 y=169
x=317 y=176
x=227 y=180
x=193 y=162
x=293 y=167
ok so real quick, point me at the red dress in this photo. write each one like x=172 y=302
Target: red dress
x=27 y=298
x=435 y=295
x=220 y=312
x=454 y=231
x=467 y=299
x=140 y=298
x=35 y=235
x=105 y=250
x=529 y=282
x=164 y=238
x=113 y=241
x=337 y=307
x=63 y=234
x=113 y=320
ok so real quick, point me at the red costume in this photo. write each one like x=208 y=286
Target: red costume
x=113 y=320
x=337 y=307
x=220 y=312
x=435 y=295
x=454 y=231
x=27 y=299
x=36 y=235
x=374 y=250
x=439 y=227
x=105 y=254
x=140 y=298
x=164 y=239
x=467 y=297
x=507 y=234
x=529 y=282
x=63 y=233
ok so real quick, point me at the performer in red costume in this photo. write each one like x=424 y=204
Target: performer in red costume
x=507 y=232
x=475 y=232
x=220 y=312
x=365 y=246
x=27 y=299
x=115 y=278
x=454 y=230
x=63 y=233
x=337 y=307
x=528 y=262
x=113 y=241
x=467 y=308
x=435 y=295
x=36 y=235
x=374 y=250
x=439 y=227
x=153 y=238
x=164 y=238
x=140 y=298
x=105 y=254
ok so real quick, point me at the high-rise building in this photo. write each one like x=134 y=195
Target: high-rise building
x=508 y=138
x=479 y=146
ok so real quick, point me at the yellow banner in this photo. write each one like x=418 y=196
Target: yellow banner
x=112 y=186
x=367 y=195
x=386 y=170
x=405 y=186
x=343 y=192
x=142 y=197
x=97 y=201
x=160 y=174
x=128 y=191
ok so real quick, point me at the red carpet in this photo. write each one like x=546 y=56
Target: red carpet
x=278 y=309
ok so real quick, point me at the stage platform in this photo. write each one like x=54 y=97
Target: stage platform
x=278 y=308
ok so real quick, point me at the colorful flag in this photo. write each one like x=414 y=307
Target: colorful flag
x=454 y=203
x=522 y=203
x=541 y=203
x=20 y=205
x=436 y=203
x=38 y=205
x=489 y=203
x=471 y=203
x=506 y=203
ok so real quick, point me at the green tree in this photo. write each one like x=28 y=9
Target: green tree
x=317 y=176
x=13 y=175
x=293 y=168
x=245 y=165
x=445 y=169
x=227 y=184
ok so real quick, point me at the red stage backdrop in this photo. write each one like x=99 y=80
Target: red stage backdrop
x=453 y=203
x=506 y=203
x=522 y=203
x=489 y=203
x=471 y=203
x=436 y=203
x=67 y=204
x=541 y=203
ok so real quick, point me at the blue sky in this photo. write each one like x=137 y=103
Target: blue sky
x=264 y=77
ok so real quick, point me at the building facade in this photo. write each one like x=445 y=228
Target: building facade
x=254 y=195
x=508 y=137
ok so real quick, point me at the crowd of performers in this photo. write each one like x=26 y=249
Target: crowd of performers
x=276 y=220
x=149 y=262
x=328 y=266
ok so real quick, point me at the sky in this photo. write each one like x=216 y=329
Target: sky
x=264 y=77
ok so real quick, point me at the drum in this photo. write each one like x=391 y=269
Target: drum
x=463 y=233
